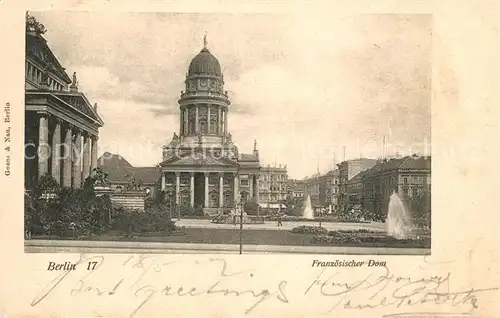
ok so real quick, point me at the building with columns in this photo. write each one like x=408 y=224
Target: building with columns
x=201 y=165
x=61 y=125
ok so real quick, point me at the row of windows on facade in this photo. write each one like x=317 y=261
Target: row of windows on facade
x=332 y=182
x=414 y=191
x=405 y=179
x=34 y=74
x=273 y=178
x=265 y=187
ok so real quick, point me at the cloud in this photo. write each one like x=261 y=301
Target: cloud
x=303 y=87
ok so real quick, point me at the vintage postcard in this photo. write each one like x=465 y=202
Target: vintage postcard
x=259 y=160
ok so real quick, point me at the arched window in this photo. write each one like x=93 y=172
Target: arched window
x=203 y=127
x=192 y=121
x=213 y=122
x=118 y=189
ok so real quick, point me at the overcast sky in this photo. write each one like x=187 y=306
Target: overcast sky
x=304 y=87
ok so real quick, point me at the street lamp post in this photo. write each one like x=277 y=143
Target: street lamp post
x=242 y=204
x=241 y=230
x=320 y=217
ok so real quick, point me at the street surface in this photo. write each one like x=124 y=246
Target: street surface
x=287 y=225
x=104 y=247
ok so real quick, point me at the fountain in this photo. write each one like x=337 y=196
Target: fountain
x=308 y=211
x=398 y=222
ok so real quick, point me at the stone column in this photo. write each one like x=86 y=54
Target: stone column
x=196 y=123
x=208 y=119
x=68 y=155
x=86 y=156
x=192 y=189
x=162 y=181
x=181 y=122
x=250 y=185
x=235 y=189
x=43 y=145
x=257 y=188
x=77 y=172
x=93 y=159
x=219 y=121
x=221 y=189
x=56 y=152
x=207 y=201
x=177 y=187
x=186 y=128
x=225 y=123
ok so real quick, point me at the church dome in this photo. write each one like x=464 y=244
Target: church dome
x=204 y=64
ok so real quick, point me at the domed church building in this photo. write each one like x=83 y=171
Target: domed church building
x=201 y=164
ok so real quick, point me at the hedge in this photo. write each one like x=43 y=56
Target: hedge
x=307 y=229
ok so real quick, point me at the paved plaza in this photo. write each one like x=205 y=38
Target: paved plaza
x=76 y=246
x=287 y=225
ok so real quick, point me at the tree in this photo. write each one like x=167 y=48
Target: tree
x=420 y=207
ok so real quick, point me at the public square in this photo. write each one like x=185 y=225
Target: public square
x=205 y=142
x=287 y=225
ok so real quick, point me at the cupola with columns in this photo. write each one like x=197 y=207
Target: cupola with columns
x=204 y=104
x=201 y=166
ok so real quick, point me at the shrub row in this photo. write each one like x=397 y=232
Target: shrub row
x=340 y=238
x=134 y=221
x=352 y=231
x=307 y=229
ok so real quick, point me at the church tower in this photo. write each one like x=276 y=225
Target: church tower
x=204 y=104
x=201 y=166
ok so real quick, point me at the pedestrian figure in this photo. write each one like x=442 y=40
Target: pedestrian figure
x=279 y=219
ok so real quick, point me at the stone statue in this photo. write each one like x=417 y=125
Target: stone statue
x=45 y=75
x=200 y=138
x=229 y=138
x=175 y=137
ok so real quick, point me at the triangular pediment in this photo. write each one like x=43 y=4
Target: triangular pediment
x=79 y=102
x=199 y=160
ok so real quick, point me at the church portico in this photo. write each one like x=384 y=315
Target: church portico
x=201 y=166
x=206 y=189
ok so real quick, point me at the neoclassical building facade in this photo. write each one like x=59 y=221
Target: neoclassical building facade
x=61 y=125
x=201 y=165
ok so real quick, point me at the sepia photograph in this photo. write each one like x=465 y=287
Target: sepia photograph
x=227 y=133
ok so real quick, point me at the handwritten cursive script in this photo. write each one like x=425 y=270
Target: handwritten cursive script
x=151 y=273
x=384 y=289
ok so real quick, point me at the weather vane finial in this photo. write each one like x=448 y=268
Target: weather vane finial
x=205 y=43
